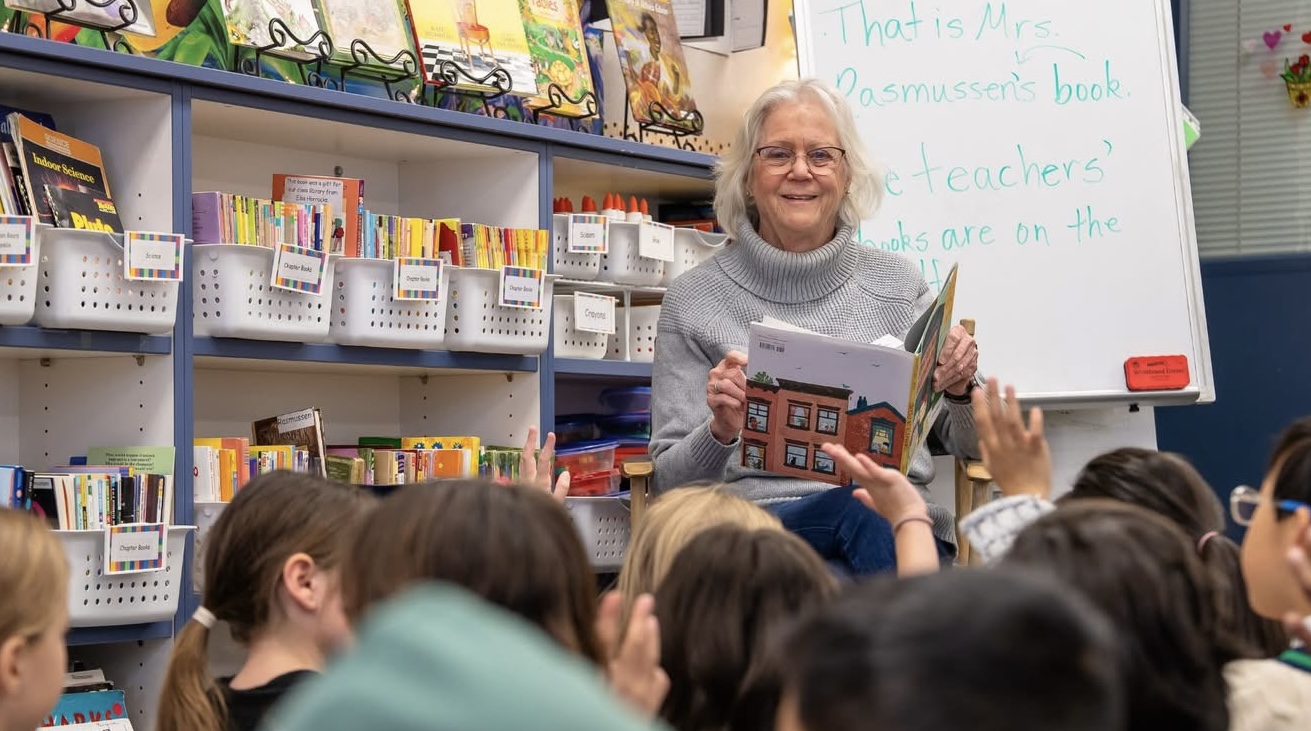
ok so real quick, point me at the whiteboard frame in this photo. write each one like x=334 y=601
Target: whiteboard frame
x=1202 y=388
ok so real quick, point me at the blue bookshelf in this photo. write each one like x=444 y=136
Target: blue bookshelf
x=344 y=355
x=84 y=341
x=610 y=369
x=79 y=636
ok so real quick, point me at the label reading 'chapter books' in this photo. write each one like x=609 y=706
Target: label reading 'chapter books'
x=152 y=256
x=299 y=269
x=594 y=313
x=17 y=234
x=588 y=233
x=417 y=279
x=521 y=287
x=655 y=240
x=135 y=547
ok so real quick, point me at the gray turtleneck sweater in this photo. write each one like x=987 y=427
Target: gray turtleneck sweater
x=842 y=289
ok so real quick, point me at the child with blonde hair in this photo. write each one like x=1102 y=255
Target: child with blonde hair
x=272 y=574
x=33 y=620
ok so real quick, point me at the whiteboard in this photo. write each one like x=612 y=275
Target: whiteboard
x=1038 y=144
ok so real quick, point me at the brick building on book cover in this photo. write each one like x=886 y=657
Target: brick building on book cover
x=787 y=421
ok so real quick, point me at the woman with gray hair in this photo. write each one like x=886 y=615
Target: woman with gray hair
x=792 y=192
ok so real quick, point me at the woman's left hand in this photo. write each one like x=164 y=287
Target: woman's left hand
x=957 y=362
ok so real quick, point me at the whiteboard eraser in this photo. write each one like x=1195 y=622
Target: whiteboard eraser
x=1156 y=373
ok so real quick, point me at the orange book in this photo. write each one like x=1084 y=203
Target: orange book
x=53 y=160
x=345 y=197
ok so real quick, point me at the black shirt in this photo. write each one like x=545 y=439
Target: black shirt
x=246 y=708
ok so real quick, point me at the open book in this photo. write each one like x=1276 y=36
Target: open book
x=805 y=389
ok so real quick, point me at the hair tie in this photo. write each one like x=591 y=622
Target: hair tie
x=204 y=617
x=1201 y=542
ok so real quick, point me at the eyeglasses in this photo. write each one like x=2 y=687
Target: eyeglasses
x=820 y=160
x=1243 y=502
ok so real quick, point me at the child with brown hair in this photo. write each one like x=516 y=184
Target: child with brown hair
x=272 y=573
x=33 y=620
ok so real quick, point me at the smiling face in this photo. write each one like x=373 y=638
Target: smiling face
x=798 y=209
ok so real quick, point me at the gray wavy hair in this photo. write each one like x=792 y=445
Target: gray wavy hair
x=733 y=204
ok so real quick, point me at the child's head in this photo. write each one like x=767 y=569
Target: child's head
x=1276 y=523
x=512 y=545
x=1013 y=651
x=33 y=620
x=673 y=520
x=1167 y=484
x=272 y=567
x=1144 y=573
x=726 y=595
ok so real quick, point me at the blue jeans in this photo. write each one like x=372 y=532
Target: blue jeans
x=853 y=539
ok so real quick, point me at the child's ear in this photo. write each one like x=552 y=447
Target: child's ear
x=11 y=662
x=299 y=580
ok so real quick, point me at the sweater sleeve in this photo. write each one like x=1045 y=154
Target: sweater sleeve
x=992 y=528
x=682 y=446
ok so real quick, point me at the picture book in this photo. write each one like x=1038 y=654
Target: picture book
x=75 y=209
x=378 y=23
x=651 y=58
x=252 y=23
x=805 y=389
x=102 y=14
x=52 y=159
x=344 y=198
x=477 y=37
x=555 y=39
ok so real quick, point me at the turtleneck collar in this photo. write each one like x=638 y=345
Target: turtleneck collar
x=785 y=277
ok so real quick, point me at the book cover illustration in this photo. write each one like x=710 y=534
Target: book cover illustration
x=303 y=429
x=477 y=37
x=251 y=22
x=555 y=39
x=378 y=23
x=55 y=160
x=102 y=14
x=89 y=211
x=651 y=58
x=805 y=389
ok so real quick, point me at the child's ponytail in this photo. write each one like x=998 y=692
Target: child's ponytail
x=190 y=699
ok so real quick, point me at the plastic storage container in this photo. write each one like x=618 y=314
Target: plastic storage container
x=627 y=400
x=605 y=526
x=18 y=286
x=476 y=321
x=581 y=265
x=623 y=265
x=365 y=312
x=600 y=483
x=586 y=458
x=573 y=428
x=627 y=426
x=571 y=342
x=82 y=286
x=639 y=333
x=691 y=248
x=233 y=297
x=97 y=600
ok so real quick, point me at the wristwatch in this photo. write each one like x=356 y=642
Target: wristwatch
x=963 y=398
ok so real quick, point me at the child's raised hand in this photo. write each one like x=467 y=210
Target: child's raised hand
x=633 y=655
x=1016 y=456
x=885 y=491
x=537 y=472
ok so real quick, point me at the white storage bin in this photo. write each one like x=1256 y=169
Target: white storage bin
x=691 y=248
x=641 y=336
x=606 y=527
x=623 y=265
x=206 y=515
x=18 y=286
x=81 y=286
x=97 y=600
x=582 y=265
x=232 y=297
x=570 y=342
x=476 y=321
x=365 y=312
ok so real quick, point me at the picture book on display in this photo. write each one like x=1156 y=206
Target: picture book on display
x=805 y=389
x=651 y=58
x=53 y=161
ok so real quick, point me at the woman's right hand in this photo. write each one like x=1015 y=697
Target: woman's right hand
x=726 y=394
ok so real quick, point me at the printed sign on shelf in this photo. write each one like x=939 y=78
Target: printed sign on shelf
x=134 y=548
x=417 y=279
x=594 y=313
x=655 y=240
x=17 y=237
x=588 y=233
x=299 y=269
x=521 y=287
x=152 y=256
